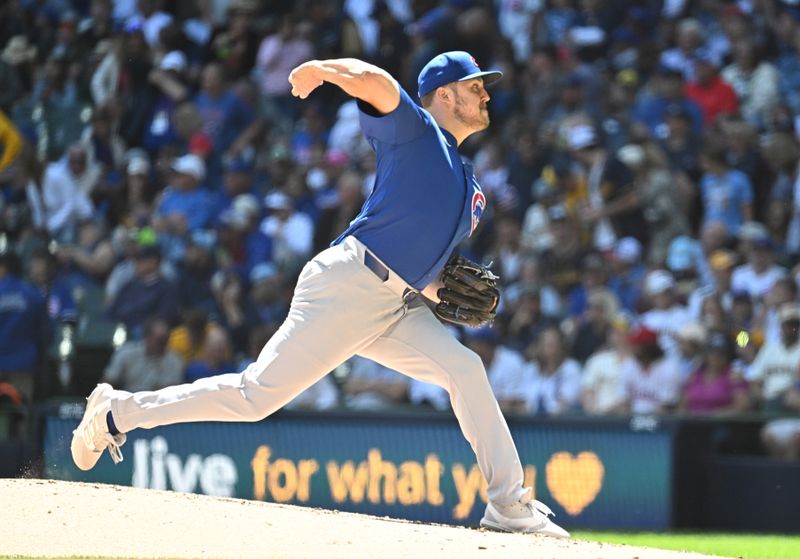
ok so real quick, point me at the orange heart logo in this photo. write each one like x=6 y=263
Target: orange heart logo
x=574 y=482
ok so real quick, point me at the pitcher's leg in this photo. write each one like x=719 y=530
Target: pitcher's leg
x=339 y=306
x=420 y=347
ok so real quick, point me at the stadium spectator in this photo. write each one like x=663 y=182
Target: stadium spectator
x=758 y=275
x=146 y=364
x=755 y=81
x=291 y=232
x=652 y=382
x=781 y=437
x=602 y=389
x=773 y=371
x=709 y=91
x=666 y=315
x=594 y=325
x=552 y=379
x=216 y=359
x=188 y=340
x=727 y=194
x=66 y=187
x=691 y=340
x=628 y=273
x=23 y=328
x=147 y=294
x=713 y=388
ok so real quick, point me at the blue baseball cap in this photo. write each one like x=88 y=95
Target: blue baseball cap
x=449 y=67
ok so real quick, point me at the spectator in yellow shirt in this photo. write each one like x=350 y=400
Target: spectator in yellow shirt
x=10 y=142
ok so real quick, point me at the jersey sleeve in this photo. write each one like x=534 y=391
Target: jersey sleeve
x=406 y=122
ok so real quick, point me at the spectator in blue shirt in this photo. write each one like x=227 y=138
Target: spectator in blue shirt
x=228 y=120
x=22 y=327
x=147 y=294
x=727 y=194
x=668 y=96
x=185 y=206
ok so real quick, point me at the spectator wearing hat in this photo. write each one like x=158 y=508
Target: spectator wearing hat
x=652 y=381
x=126 y=242
x=237 y=179
x=267 y=301
x=686 y=262
x=184 y=206
x=721 y=263
x=195 y=270
x=783 y=291
x=15 y=56
x=168 y=91
x=666 y=315
x=663 y=207
x=553 y=379
x=291 y=232
x=759 y=273
x=755 y=81
x=613 y=208
x=667 y=95
x=148 y=294
x=151 y=19
x=545 y=193
x=726 y=193
x=713 y=388
x=691 y=339
x=561 y=263
x=23 y=327
x=681 y=146
x=628 y=273
x=775 y=366
x=712 y=94
x=602 y=389
x=146 y=364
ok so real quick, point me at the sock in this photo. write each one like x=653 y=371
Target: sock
x=110 y=422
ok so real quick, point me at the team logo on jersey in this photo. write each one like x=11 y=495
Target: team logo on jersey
x=478 y=205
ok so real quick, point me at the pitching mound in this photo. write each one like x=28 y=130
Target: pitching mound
x=44 y=517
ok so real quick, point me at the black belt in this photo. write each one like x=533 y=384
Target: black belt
x=383 y=274
x=375 y=265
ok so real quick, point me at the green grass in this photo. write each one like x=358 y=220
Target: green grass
x=747 y=546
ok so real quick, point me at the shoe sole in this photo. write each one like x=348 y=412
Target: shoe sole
x=84 y=457
x=494 y=526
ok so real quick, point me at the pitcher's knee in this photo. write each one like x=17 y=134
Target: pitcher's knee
x=469 y=371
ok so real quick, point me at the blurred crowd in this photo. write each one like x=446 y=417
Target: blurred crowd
x=161 y=190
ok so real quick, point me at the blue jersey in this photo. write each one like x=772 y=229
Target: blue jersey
x=425 y=200
x=22 y=318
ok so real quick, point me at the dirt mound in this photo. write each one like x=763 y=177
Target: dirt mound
x=45 y=517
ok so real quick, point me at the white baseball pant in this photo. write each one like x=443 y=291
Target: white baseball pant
x=341 y=308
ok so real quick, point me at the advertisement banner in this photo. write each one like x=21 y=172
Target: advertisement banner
x=593 y=475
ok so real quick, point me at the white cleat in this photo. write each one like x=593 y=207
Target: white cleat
x=526 y=515
x=91 y=437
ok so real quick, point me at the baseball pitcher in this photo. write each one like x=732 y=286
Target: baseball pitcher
x=364 y=294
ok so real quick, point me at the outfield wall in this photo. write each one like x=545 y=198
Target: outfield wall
x=594 y=474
